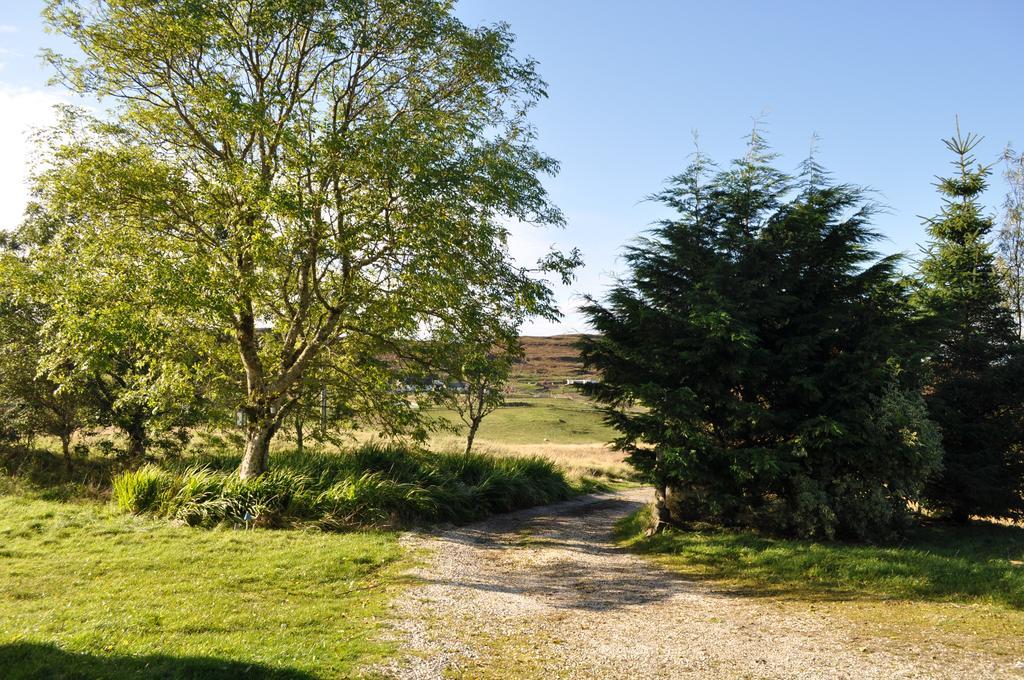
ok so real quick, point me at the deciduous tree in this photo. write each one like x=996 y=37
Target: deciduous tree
x=32 y=402
x=1010 y=240
x=309 y=176
x=477 y=372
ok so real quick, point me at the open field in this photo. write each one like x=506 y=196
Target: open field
x=578 y=460
x=568 y=431
x=544 y=421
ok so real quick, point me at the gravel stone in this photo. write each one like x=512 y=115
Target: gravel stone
x=546 y=593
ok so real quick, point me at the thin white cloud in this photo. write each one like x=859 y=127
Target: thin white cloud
x=7 y=28
x=21 y=111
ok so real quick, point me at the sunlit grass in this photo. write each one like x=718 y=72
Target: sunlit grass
x=578 y=460
x=548 y=420
x=86 y=592
x=940 y=580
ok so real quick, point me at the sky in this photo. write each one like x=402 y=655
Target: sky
x=879 y=83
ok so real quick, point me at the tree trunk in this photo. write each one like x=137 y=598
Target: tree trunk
x=473 y=427
x=65 y=445
x=136 y=444
x=135 y=428
x=662 y=517
x=298 y=434
x=255 y=460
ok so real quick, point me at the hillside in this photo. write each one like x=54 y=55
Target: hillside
x=551 y=358
x=549 y=362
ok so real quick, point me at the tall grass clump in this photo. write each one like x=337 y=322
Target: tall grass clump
x=372 y=498
x=141 y=490
x=369 y=486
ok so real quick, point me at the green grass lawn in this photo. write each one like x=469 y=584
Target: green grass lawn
x=962 y=581
x=86 y=592
x=545 y=420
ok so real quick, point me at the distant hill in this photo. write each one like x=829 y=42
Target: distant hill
x=550 y=359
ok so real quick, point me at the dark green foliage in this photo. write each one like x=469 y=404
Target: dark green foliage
x=978 y=364
x=772 y=355
x=368 y=486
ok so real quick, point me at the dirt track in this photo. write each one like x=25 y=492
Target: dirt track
x=546 y=593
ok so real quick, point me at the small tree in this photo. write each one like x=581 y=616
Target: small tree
x=978 y=363
x=759 y=359
x=476 y=381
x=103 y=337
x=1010 y=241
x=33 y=403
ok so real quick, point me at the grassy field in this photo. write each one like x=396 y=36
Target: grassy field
x=549 y=420
x=568 y=431
x=578 y=460
x=961 y=584
x=89 y=593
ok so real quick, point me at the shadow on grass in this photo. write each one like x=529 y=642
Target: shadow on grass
x=981 y=562
x=44 y=474
x=25 y=660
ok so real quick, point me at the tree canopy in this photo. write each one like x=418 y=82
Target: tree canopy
x=298 y=179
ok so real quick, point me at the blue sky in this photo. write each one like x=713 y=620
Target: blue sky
x=878 y=82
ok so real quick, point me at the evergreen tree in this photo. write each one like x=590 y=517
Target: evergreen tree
x=758 y=360
x=977 y=363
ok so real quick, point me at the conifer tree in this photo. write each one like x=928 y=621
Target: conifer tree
x=975 y=397
x=771 y=354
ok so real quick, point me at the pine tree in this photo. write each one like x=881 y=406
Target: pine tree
x=758 y=360
x=977 y=364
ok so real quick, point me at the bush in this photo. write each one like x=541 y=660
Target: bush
x=141 y=490
x=372 y=498
x=369 y=486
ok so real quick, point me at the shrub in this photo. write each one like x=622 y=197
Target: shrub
x=369 y=486
x=372 y=499
x=141 y=490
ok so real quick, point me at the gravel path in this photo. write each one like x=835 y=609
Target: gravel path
x=546 y=593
